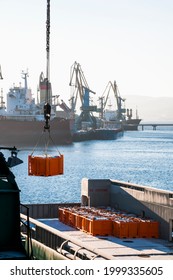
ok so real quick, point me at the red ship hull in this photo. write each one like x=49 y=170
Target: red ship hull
x=29 y=133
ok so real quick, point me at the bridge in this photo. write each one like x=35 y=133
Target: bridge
x=154 y=125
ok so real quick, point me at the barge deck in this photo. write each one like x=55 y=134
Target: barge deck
x=56 y=240
x=112 y=248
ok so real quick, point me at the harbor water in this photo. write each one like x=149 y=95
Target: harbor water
x=141 y=157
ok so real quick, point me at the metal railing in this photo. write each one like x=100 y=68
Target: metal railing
x=59 y=241
x=26 y=232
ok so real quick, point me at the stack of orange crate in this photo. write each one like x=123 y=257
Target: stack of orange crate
x=97 y=221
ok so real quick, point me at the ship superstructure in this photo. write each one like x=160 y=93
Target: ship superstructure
x=22 y=105
x=20 y=101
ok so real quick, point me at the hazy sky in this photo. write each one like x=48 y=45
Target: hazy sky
x=130 y=41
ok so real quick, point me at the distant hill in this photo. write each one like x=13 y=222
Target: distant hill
x=151 y=108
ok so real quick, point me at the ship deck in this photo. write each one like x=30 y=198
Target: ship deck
x=110 y=247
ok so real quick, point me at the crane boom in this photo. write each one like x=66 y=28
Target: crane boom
x=79 y=82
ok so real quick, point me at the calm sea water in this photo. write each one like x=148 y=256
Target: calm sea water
x=142 y=157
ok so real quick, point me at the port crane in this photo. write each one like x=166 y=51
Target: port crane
x=82 y=91
x=119 y=101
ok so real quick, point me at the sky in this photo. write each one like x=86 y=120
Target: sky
x=130 y=41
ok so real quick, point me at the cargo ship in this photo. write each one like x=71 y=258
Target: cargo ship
x=22 y=120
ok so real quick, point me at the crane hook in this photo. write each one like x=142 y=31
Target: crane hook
x=47 y=113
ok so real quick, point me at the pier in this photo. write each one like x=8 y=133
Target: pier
x=154 y=125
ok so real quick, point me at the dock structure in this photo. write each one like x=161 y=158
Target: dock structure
x=154 y=125
x=53 y=239
x=140 y=200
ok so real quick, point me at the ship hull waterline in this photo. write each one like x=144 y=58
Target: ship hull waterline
x=97 y=134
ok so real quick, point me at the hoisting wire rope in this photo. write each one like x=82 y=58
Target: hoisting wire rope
x=47 y=106
x=37 y=143
x=47 y=141
x=46 y=165
x=50 y=138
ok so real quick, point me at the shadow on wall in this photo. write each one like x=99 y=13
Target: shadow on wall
x=124 y=200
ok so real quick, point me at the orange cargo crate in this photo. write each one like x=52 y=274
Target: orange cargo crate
x=143 y=228
x=84 y=223
x=120 y=229
x=66 y=216
x=153 y=229
x=71 y=218
x=63 y=215
x=87 y=223
x=60 y=214
x=133 y=229
x=45 y=165
x=99 y=226
x=75 y=220
x=78 y=222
